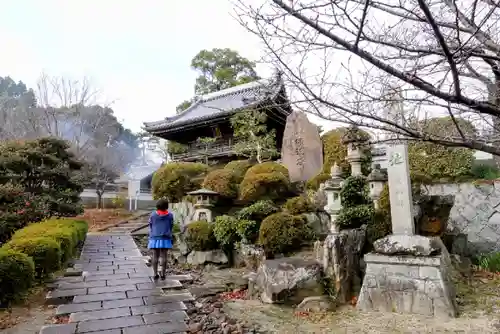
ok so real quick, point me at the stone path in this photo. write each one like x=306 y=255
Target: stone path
x=110 y=290
x=136 y=223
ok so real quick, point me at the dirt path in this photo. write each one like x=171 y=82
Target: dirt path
x=28 y=317
x=479 y=307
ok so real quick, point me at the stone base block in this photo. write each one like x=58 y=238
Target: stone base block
x=408 y=284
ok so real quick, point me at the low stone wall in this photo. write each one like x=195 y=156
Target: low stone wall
x=475 y=212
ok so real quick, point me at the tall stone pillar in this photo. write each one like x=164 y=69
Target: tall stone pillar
x=406 y=273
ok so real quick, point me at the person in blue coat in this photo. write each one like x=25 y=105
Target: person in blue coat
x=161 y=223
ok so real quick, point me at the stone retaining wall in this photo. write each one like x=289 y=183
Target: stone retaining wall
x=476 y=213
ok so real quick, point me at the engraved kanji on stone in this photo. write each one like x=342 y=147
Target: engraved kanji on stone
x=395 y=159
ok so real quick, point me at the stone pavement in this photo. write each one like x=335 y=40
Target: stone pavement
x=110 y=290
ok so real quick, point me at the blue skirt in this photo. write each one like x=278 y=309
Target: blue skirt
x=160 y=243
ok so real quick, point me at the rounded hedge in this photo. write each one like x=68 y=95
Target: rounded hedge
x=225 y=230
x=222 y=181
x=266 y=168
x=282 y=232
x=299 y=204
x=335 y=151
x=45 y=252
x=239 y=168
x=263 y=186
x=17 y=274
x=68 y=233
x=174 y=180
x=317 y=180
x=257 y=211
x=200 y=236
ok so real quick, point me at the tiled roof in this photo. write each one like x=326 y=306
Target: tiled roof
x=221 y=103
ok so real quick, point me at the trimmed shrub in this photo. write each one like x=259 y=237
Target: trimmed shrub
x=355 y=192
x=441 y=163
x=17 y=274
x=298 y=205
x=225 y=230
x=314 y=183
x=266 y=168
x=174 y=180
x=356 y=216
x=45 y=252
x=282 y=232
x=334 y=150
x=262 y=186
x=222 y=181
x=247 y=230
x=68 y=233
x=200 y=236
x=257 y=211
x=239 y=168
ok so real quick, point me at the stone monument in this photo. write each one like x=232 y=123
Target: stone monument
x=406 y=273
x=302 y=150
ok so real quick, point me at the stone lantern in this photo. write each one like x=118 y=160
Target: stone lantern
x=355 y=149
x=204 y=203
x=332 y=191
x=376 y=181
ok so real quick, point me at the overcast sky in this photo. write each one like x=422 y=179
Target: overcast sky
x=137 y=52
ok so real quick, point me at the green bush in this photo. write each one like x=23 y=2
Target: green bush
x=239 y=168
x=222 y=181
x=18 y=209
x=200 y=236
x=266 y=168
x=315 y=182
x=174 y=180
x=485 y=172
x=47 y=170
x=490 y=262
x=437 y=162
x=225 y=230
x=247 y=230
x=298 y=205
x=355 y=192
x=263 y=186
x=257 y=211
x=282 y=232
x=335 y=151
x=68 y=233
x=355 y=216
x=45 y=252
x=17 y=274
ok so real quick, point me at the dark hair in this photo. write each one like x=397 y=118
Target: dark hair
x=162 y=205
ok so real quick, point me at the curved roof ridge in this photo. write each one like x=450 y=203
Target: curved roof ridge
x=233 y=90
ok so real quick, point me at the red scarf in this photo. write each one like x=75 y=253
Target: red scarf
x=160 y=212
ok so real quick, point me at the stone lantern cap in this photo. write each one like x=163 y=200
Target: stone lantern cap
x=377 y=175
x=353 y=135
x=335 y=182
x=203 y=191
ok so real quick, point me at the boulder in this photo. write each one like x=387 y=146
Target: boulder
x=302 y=150
x=415 y=245
x=215 y=256
x=287 y=280
x=342 y=253
x=319 y=222
x=251 y=256
x=316 y=304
